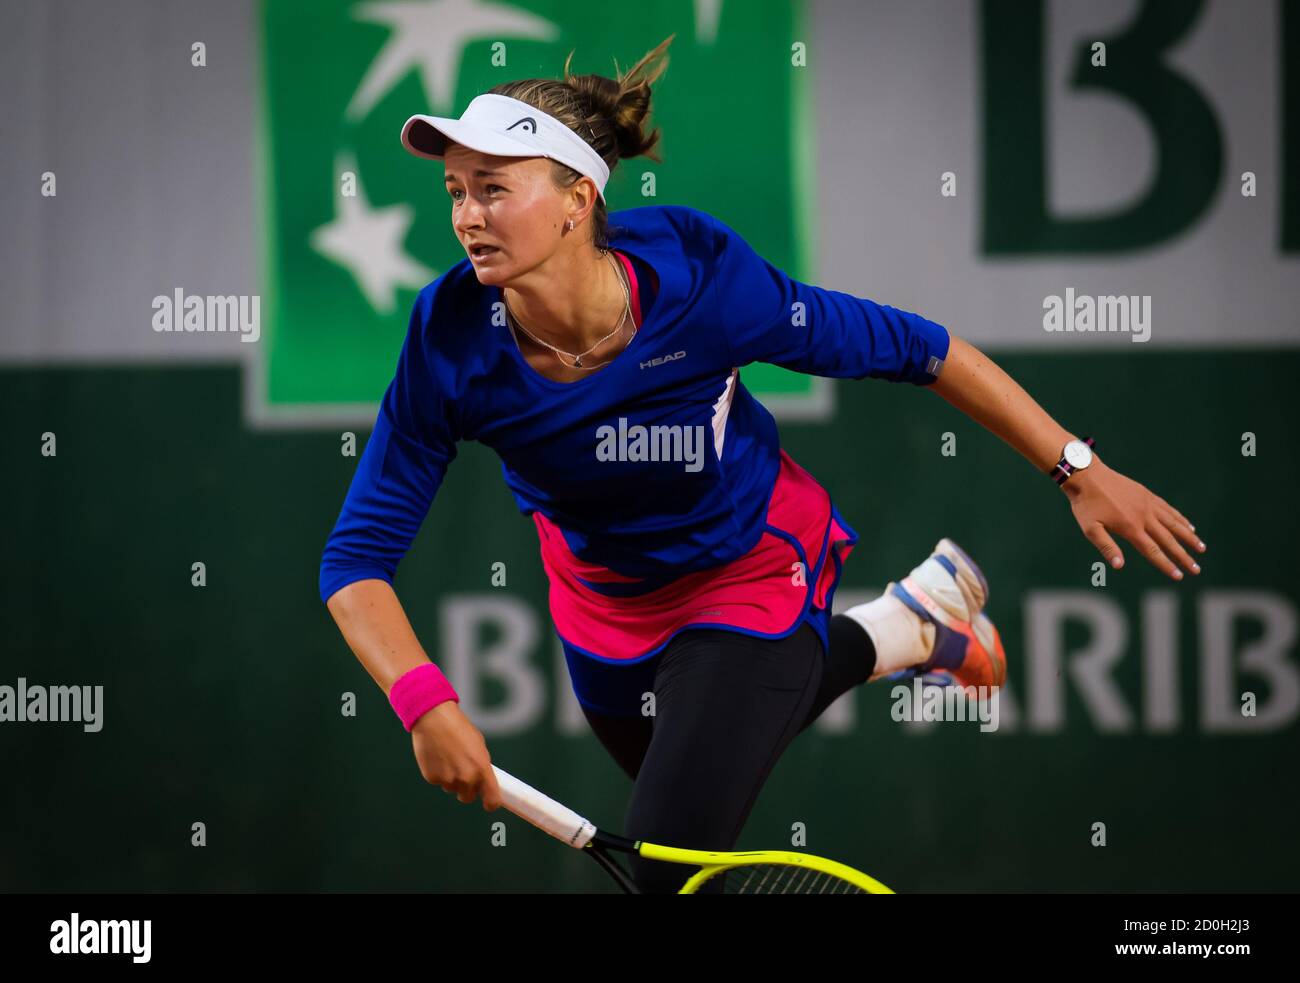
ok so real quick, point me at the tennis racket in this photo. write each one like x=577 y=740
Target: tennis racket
x=755 y=872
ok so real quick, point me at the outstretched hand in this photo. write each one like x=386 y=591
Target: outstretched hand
x=1105 y=501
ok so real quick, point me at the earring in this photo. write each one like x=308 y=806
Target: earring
x=570 y=225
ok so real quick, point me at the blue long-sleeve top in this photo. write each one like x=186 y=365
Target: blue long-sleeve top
x=570 y=450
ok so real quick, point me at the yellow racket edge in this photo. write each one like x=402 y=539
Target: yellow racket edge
x=714 y=862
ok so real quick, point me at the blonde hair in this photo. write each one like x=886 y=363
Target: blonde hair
x=608 y=113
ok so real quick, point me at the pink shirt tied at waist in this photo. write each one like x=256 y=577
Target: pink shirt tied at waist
x=761 y=592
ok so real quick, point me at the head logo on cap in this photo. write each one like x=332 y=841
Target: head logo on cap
x=532 y=123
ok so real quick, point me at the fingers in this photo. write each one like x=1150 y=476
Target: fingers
x=1150 y=549
x=491 y=791
x=482 y=786
x=1099 y=538
x=1173 y=550
x=1160 y=540
x=464 y=791
x=472 y=789
x=1178 y=515
x=1153 y=545
x=468 y=790
x=1181 y=528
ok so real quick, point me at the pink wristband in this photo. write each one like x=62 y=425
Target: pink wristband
x=418 y=691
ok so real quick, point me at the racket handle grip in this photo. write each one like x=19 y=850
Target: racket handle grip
x=543 y=812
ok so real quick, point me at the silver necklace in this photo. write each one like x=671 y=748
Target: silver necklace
x=577 y=359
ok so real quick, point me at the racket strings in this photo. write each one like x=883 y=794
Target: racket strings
x=783 y=879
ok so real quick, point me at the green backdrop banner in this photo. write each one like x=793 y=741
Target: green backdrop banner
x=225 y=704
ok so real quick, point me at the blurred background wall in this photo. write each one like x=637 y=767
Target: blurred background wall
x=966 y=160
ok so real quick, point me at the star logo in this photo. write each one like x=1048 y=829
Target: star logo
x=367 y=242
x=428 y=36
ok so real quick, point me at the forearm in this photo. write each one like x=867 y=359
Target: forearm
x=377 y=630
x=977 y=386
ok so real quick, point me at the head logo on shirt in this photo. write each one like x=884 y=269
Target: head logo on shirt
x=661 y=359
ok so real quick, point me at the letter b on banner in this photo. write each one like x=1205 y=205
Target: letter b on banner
x=1189 y=146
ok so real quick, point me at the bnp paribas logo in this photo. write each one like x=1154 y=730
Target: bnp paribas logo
x=352 y=226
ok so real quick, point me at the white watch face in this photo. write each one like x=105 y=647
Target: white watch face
x=1078 y=454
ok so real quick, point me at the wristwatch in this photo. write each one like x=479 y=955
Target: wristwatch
x=1076 y=456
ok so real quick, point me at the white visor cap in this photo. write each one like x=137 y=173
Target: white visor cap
x=504 y=127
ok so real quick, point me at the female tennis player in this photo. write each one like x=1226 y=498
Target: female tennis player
x=692 y=563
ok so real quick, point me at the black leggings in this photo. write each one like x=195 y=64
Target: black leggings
x=726 y=707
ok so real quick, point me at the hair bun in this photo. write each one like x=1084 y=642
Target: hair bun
x=609 y=113
x=623 y=103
